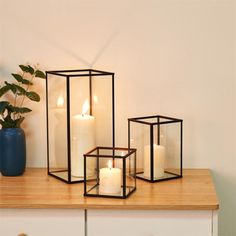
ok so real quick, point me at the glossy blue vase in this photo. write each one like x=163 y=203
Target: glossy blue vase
x=12 y=151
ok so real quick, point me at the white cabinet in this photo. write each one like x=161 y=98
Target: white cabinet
x=42 y=222
x=72 y=222
x=151 y=223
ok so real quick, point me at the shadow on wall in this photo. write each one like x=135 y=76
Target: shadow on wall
x=26 y=26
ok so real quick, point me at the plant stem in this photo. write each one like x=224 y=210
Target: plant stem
x=16 y=95
x=21 y=104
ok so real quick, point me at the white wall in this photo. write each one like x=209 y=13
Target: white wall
x=171 y=57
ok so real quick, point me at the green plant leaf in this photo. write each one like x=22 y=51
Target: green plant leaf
x=19 y=121
x=8 y=124
x=31 y=69
x=24 y=110
x=19 y=109
x=40 y=74
x=33 y=96
x=11 y=87
x=8 y=117
x=4 y=90
x=20 y=89
x=27 y=69
x=24 y=68
x=3 y=106
x=20 y=79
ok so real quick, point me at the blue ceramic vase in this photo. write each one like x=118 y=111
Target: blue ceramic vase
x=12 y=151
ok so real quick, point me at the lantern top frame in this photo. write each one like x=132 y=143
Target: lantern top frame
x=80 y=72
x=110 y=152
x=149 y=120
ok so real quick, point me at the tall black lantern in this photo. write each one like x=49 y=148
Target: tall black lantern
x=80 y=116
x=158 y=140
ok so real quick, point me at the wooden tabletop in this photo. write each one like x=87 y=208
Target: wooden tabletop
x=35 y=189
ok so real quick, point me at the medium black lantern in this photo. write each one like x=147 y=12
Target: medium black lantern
x=115 y=172
x=80 y=116
x=158 y=140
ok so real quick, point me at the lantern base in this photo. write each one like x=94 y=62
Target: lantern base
x=96 y=192
x=167 y=176
x=63 y=175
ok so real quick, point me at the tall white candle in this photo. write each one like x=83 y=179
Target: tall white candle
x=110 y=180
x=158 y=158
x=57 y=131
x=83 y=140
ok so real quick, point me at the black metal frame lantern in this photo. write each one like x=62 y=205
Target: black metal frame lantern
x=158 y=140
x=115 y=175
x=80 y=116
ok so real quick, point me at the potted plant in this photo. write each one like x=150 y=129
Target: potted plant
x=12 y=114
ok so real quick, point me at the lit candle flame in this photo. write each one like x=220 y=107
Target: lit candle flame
x=109 y=164
x=60 y=101
x=95 y=98
x=85 y=107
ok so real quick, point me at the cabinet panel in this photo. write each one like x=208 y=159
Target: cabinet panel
x=41 y=222
x=149 y=223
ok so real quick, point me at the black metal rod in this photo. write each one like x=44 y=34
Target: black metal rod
x=66 y=181
x=113 y=110
x=90 y=95
x=158 y=180
x=63 y=74
x=155 y=116
x=151 y=153
x=85 y=174
x=98 y=168
x=68 y=128
x=77 y=70
x=128 y=134
x=113 y=120
x=158 y=131
x=140 y=121
x=154 y=123
x=47 y=123
x=124 y=177
x=135 y=169
x=102 y=72
x=82 y=75
x=181 y=148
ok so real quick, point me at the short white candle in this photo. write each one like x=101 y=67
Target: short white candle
x=158 y=158
x=83 y=140
x=110 y=180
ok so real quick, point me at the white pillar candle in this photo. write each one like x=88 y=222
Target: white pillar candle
x=110 y=180
x=58 y=152
x=158 y=158
x=83 y=140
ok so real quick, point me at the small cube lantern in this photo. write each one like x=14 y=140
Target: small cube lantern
x=115 y=174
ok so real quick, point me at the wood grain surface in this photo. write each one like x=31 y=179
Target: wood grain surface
x=35 y=189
